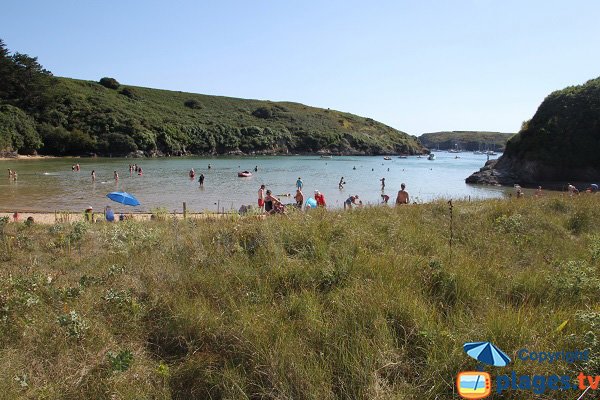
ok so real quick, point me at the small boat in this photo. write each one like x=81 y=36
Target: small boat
x=326 y=156
x=387 y=158
x=245 y=174
x=402 y=156
x=431 y=157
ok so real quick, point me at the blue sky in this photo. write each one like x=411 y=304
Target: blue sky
x=419 y=66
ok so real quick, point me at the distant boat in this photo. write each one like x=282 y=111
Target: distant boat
x=431 y=157
x=402 y=156
x=245 y=174
x=491 y=153
x=387 y=158
x=326 y=156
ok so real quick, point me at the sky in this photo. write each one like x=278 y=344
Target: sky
x=418 y=66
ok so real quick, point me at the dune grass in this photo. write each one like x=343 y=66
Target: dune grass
x=367 y=304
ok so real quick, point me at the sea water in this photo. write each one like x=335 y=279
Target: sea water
x=50 y=184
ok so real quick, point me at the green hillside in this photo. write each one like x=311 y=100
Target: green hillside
x=465 y=140
x=62 y=116
x=560 y=144
x=565 y=130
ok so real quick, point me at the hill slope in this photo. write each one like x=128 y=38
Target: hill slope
x=62 y=116
x=465 y=140
x=560 y=143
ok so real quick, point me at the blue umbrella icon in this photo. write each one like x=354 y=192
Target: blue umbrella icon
x=123 y=198
x=487 y=353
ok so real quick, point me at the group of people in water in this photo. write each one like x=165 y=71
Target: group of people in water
x=272 y=204
x=12 y=175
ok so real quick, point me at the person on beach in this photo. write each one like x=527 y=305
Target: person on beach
x=89 y=214
x=201 y=180
x=77 y=167
x=14 y=176
x=273 y=204
x=402 y=197
x=72 y=167
x=538 y=192
x=93 y=175
x=320 y=199
x=382 y=184
x=341 y=184
x=352 y=200
x=572 y=189
x=192 y=173
x=140 y=172
x=261 y=197
x=16 y=216
x=299 y=197
x=10 y=173
x=109 y=214
x=116 y=176
x=299 y=184
x=130 y=170
x=385 y=198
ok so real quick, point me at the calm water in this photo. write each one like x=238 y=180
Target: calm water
x=51 y=185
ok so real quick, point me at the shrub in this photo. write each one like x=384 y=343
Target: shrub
x=121 y=361
x=263 y=112
x=129 y=92
x=110 y=83
x=193 y=104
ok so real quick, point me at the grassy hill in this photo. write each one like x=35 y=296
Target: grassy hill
x=322 y=305
x=177 y=122
x=465 y=140
x=61 y=116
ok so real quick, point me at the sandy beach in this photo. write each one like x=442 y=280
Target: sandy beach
x=50 y=218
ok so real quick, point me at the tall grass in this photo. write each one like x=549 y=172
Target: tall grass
x=324 y=305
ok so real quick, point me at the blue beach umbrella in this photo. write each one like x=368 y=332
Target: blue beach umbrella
x=487 y=353
x=123 y=198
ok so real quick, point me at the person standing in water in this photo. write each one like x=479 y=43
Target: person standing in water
x=342 y=183
x=261 y=197
x=402 y=195
x=209 y=167
x=116 y=176
x=256 y=169
x=299 y=184
x=299 y=197
x=201 y=180
x=93 y=175
x=382 y=184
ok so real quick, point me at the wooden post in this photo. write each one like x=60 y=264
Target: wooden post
x=218 y=205
x=184 y=210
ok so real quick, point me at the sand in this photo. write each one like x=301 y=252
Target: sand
x=49 y=218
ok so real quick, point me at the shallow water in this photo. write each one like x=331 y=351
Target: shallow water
x=49 y=184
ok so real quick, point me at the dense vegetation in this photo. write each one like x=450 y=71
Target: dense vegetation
x=322 y=305
x=565 y=130
x=465 y=140
x=61 y=116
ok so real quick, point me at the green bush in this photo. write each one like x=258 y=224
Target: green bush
x=110 y=83
x=193 y=104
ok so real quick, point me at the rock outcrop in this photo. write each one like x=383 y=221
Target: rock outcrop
x=561 y=143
